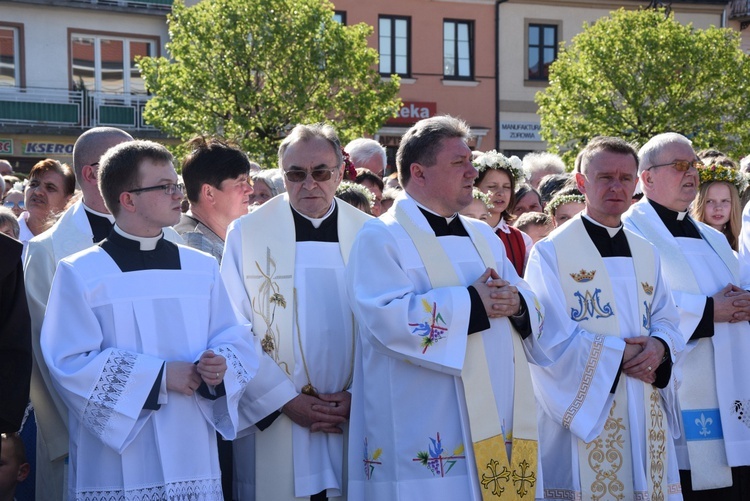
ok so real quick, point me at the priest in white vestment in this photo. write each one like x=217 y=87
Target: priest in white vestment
x=442 y=404
x=611 y=324
x=284 y=269
x=144 y=347
x=704 y=275
x=86 y=223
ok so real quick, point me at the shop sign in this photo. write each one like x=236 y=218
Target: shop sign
x=520 y=131
x=6 y=146
x=42 y=148
x=412 y=112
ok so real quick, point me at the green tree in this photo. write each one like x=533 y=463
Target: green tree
x=249 y=70
x=636 y=74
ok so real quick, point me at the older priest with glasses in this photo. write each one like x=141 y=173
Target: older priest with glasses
x=284 y=268
x=703 y=272
x=144 y=346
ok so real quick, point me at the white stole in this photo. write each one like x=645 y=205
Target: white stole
x=700 y=405
x=268 y=263
x=606 y=463
x=493 y=465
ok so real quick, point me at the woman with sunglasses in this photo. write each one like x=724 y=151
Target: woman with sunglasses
x=13 y=200
x=718 y=201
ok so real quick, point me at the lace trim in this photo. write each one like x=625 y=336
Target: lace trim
x=190 y=490
x=234 y=363
x=108 y=390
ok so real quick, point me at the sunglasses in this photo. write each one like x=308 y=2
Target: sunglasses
x=10 y=204
x=682 y=165
x=318 y=175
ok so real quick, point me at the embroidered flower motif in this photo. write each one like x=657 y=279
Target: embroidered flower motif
x=278 y=299
x=267 y=344
x=434 y=459
x=370 y=462
x=429 y=330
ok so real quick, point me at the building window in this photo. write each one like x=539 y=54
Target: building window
x=394 y=43
x=10 y=57
x=458 y=49
x=107 y=64
x=542 y=40
x=340 y=17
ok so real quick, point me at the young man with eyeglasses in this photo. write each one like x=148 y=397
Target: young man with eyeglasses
x=284 y=269
x=144 y=346
x=713 y=449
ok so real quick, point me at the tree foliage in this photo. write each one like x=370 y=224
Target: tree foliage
x=249 y=70
x=636 y=74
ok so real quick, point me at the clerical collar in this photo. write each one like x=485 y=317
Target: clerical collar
x=108 y=217
x=326 y=230
x=679 y=224
x=612 y=231
x=448 y=220
x=316 y=222
x=146 y=243
x=608 y=244
x=100 y=223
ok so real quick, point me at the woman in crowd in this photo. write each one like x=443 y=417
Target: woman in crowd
x=266 y=185
x=527 y=200
x=718 y=201
x=356 y=195
x=497 y=178
x=51 y=184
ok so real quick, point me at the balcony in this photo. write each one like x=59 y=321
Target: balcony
x=155 y=7
x=739 y=10
x=55 y=108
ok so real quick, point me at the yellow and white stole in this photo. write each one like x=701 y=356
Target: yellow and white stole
x=498 y=478
x=606 y=462
x=268 y=261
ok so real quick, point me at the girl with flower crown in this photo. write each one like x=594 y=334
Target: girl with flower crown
x=718 y=201
x=497 y=178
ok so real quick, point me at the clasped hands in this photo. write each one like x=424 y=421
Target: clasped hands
x=731 y=304
x=500 y=299
x=324 y=412
x=186 y=377
x=641 y=358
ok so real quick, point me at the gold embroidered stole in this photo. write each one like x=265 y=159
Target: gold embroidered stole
x=498 y=479
x=606 y=462
x=268 y=263
x=698 y=394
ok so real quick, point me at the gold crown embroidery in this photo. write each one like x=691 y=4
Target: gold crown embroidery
x=648 y=289
x=583 y=275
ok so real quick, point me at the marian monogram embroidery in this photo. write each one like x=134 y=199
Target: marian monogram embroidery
x=371 y=462
x=589 y=305
x=647 y=316
x=431 y=330
x=435 y=460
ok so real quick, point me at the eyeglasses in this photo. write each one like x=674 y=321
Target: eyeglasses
x=682 y=165
x=10 y=205
x=169 y=189
x=318 y=175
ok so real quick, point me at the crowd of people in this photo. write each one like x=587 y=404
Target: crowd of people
x=474 y=327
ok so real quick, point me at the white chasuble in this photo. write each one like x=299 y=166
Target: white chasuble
x=295 y=296
x=106 y=337
x=714 y=397
x=410 y=435
x=596 y=444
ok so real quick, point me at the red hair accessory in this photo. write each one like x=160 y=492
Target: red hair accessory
x=350 y=173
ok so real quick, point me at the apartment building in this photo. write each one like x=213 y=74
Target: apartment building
x=68 y=65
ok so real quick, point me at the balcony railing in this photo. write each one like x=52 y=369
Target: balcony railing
x=64 y=109
x=739 y=9
x=157 y=5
